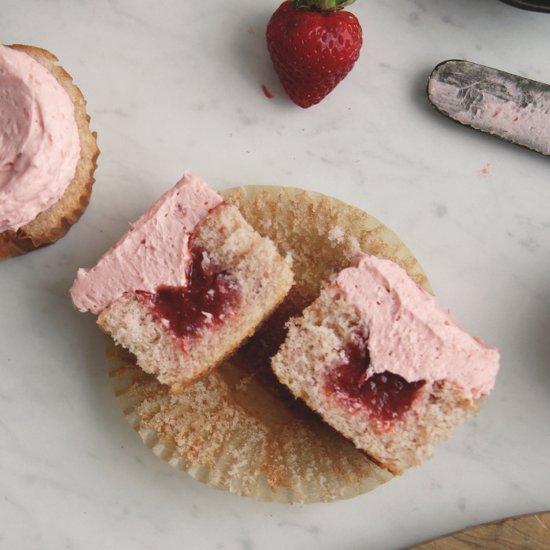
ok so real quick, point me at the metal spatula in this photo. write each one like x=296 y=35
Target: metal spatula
x=508 y=106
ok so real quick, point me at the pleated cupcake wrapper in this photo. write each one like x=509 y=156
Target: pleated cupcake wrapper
x=17 y=243
x=337 y=228
x=301 y=463
x=235 y=429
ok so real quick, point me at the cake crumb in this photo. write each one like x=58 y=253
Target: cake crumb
x=486 y=170
x=336 y=234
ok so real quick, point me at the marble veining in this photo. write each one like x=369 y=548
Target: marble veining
x=179 y=86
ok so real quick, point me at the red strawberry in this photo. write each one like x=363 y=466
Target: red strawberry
x=313 y=46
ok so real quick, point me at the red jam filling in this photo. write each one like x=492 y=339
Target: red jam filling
x=385 y=395
x=209 y=298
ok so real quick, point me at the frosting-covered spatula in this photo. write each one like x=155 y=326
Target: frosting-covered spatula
x=508 y=106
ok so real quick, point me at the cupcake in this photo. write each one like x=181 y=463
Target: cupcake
x=383 y=363
x=378 y=372
x=48 y=153
x=238 y=428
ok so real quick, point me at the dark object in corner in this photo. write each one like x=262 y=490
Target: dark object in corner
x=533 y=5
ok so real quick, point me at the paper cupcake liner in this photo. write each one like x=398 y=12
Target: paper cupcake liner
x=266 y=451
x=238 y=429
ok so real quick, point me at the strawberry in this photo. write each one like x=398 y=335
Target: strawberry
x=313 y=46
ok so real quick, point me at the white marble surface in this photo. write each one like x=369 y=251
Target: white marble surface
x=174 y=85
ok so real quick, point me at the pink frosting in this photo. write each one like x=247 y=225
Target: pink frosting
x=39 y=142
x=526 y=124
x=410 y=333
x=154 y=252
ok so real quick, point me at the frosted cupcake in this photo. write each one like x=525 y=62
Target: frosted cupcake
x=238 y=428
x=47 y=151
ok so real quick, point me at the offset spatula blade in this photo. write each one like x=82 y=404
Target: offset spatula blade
x=508 y=106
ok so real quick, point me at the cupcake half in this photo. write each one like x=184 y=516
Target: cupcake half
x=384 y=363
x=186 y=285
x=47 y=152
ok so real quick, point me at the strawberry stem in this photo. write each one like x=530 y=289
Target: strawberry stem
x=321 y=5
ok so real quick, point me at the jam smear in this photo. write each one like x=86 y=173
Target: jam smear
x=266 y=92
x=387 y=396
x=210 y=297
